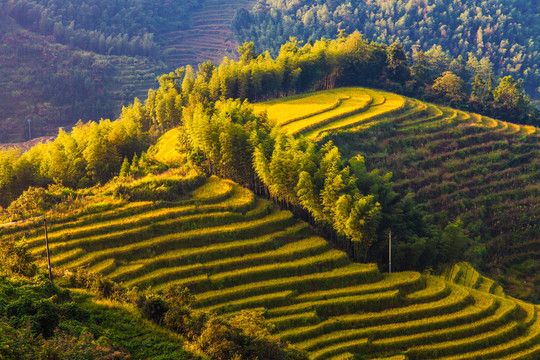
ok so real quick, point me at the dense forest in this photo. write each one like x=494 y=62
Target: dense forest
x=85 y=59
x=466 y=35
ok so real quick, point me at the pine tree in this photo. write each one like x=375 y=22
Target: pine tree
x=125 y=169
x=134 y=169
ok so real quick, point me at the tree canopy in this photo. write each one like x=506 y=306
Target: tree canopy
x=502 y=35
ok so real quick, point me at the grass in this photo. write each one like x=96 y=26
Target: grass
x=151 y=245
x=523 y=347
x=325 y=261
x=435 y=289
x=353 y=273
x=488 y=338
x=165 y=150
x=455 y=302
x=341 y=305
x=404 y=281
x=133 y=270
x=295 y=320
x=265 y=300
x=350 y=346
x=380 y=106
x=290 y=251
x=501 y=317
x=141 y=338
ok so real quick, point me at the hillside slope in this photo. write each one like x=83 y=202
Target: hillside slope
x=57 y=77
x=235 y=251
x=209 y=38
x=55 y=85
x=459 y=164
x=41 y=320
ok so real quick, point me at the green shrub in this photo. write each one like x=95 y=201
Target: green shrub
x=153 y=307
x=15 y=258
x=46 y=319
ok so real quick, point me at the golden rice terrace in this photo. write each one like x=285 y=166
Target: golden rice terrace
x=459 y=164
x=235 y=251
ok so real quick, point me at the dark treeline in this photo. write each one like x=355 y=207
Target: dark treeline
x=223 y=136
x=501 y=34
x=106 y=27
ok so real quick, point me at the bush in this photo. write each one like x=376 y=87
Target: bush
x=46 y=319
x=245 y=336
x=35 y=201
x=153 y=307
x=219 y=341
x=95 y=282
x=14 y=257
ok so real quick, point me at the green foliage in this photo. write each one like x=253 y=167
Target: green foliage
x=42 y=321
x=472 y=31
x=453 y=242
x=245 y=337
x=450 y=88
x=90 y=154
x=36 y=201
x=316 y=298
x=15 y=258
x=102 y=27
x=153 y=307
x=509 y=98
x=56 y=85
x=151 y=187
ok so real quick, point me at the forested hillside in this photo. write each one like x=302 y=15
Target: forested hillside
x=55 y=85
x=62 y=61
x=458 y=165
x=461 y=35
x=165 y=201
x=338 y=193
x=85 y=59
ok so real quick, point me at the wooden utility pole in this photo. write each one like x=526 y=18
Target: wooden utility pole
x=47 y=244
x=390 y=252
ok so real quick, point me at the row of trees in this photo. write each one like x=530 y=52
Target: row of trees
x=92 y=153
x=355 y=208
x=501 y=32
x=352 y=60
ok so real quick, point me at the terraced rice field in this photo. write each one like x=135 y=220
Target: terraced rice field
x=235 y=251
x=134 y=77
x=315 y=114
x=485 y=171
x=209 y=38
